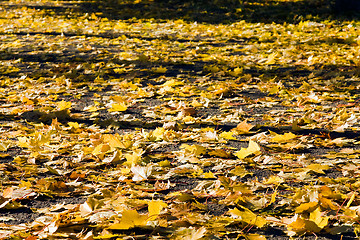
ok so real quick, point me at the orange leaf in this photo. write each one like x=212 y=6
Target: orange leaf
x=243 y=127
x=31 y=238
x=7 y=193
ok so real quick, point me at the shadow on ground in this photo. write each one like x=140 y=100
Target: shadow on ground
x=213 y=11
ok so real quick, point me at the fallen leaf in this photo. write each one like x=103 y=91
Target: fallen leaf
x=306 y=207
x=63 y=105
x=283 y=138
x=141 y=173
x=130 y=219
x=253 y=148
x=7 y=193
x=154 y=208
x=248 y=217
x=243 y=127
x=118 y=107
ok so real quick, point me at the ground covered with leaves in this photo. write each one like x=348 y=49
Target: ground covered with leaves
x=176 y=120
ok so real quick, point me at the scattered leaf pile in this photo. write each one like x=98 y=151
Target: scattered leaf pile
x=172 y=129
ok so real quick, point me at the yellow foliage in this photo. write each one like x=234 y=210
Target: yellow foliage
x=271 y=59
x=63 y=105
x=254 y=236
x=130 y=219
x=318 y=218
x=253 y=148
x=133 y=159
x=248 y=217
x=306 y=207
x=243 y=127
x=159 y=70
x=208 y=175
x=283 y=138
x=227 y=135
x=195 y=149
x=101 y=149
x=118 y=107
x=154 y=208
x=274 y=180
x=318 y=168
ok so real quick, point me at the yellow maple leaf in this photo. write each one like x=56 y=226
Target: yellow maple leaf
x=41 y=139
x=159 y=70
x=327 y=203
x=271 y=59
x=118 y=107
x=274 y=180
x=116 y=141
x=112 y=140
x=196 y=103
x=317 y=217
x=130 y=219
x=35 y=142
x=164 y=163
x=208 y=175
x=283 y=138
x=247 y=216
x=63 y=105
x=4 y=146
x=273 y=198
x=25 y=184
x=194 y=234
x=318 y=168
x=119 y=70
x=172 y=83
x=227 y=135
x=154 y=208
x=101 y=149
x=237 y=72
x=195 y=149
x=133 y=159
x=158 y=133
x=118 y=98
x=211 y=68
x=253 y=236
x=301 y=225
x=188 y=119
x=306 y=207
x=220 y=153
x=92 y=108
x=74 y=125
x=253 y=148
x=274 y=89
x=23 y=142
x=297 y=225
x=240 y=171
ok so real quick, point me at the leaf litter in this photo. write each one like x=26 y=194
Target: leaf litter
x=174 y=129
